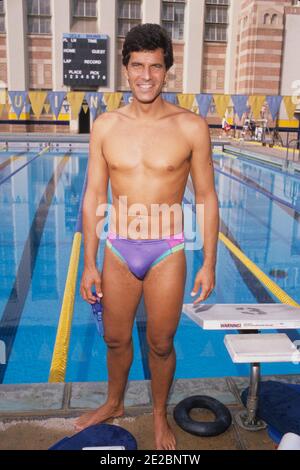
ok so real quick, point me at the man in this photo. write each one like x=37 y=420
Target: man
x=147 y=149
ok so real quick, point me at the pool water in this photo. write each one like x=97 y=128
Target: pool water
x=40 y=198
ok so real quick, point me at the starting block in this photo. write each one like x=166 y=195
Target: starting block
x=248 y=347
x=244 y=316
x=261 y=348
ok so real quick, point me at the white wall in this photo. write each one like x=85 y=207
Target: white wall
x=151 y=11
x=60 y=10
x=193 y=51
x=233 y=28
x=290 y=78
x=107 y=18
x=16 y=37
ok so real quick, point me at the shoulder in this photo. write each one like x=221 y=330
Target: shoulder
x=187 y=118
x=193 y=122
x=194 y=128
x=182 y=115
x=106 y=118
x=104 y=122
x=174 y=111
x=191 y=126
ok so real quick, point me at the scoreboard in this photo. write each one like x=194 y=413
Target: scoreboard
x=85 y=59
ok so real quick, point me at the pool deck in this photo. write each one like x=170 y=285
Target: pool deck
x=276 y=156
x=35 y=416
x=80 y=142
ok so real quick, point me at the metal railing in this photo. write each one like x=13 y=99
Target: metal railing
x=296 y=142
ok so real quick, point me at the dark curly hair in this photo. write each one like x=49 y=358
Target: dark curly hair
x=148 y=37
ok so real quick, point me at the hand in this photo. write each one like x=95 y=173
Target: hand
x=89 y=278
x=205 y=278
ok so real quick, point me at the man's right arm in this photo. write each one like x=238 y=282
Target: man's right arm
x=95 y=195
x=202 y=173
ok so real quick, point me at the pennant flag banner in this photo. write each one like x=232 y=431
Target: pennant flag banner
x=112 y=100
x=127 y=96
x=240 y=104
x=222 y=102
x=274 y=103
x=55 y=99
x=56 y=102
x=18 y=101
x=186 y=101
x=170 y=97
x=204 y=102
x=94 y=101
x=2 y=96
x=290 y=106
x=37 y=100
x=75 y=99
x=256 y=103
x=47 y=107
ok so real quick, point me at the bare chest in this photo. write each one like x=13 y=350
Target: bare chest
x=156 y=148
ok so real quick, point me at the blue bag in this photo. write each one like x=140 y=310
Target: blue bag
x=278 y=406
x=96 y=436
x=97 y=310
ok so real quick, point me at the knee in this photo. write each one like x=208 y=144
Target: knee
x=160 y=346
x=117 y=342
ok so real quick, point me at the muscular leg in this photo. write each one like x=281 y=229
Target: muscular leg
x=121 y=295
x=163 y=290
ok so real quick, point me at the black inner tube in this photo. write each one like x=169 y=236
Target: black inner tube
x=202 y=428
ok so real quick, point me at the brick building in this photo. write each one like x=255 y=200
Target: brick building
x=221 y=46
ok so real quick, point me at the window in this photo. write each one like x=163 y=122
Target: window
x=216 y=15
x=85 y=8
x=39 y=16
x=215 y=33
x=129 y=15
x=2 y=17
x=216 y=20
x=217 y=2
x=38 y=7
x=173 y=18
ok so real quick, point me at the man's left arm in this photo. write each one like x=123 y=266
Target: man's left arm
x=202 y=173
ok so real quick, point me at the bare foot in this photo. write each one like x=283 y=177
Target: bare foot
x=164 y=436
x=103 y=413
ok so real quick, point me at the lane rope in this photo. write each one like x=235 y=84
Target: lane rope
x=277 y=291
x=62 y=342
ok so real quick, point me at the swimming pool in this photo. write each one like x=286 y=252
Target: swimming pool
x=40 y=197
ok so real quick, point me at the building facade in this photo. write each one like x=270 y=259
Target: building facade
x=221 y=46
